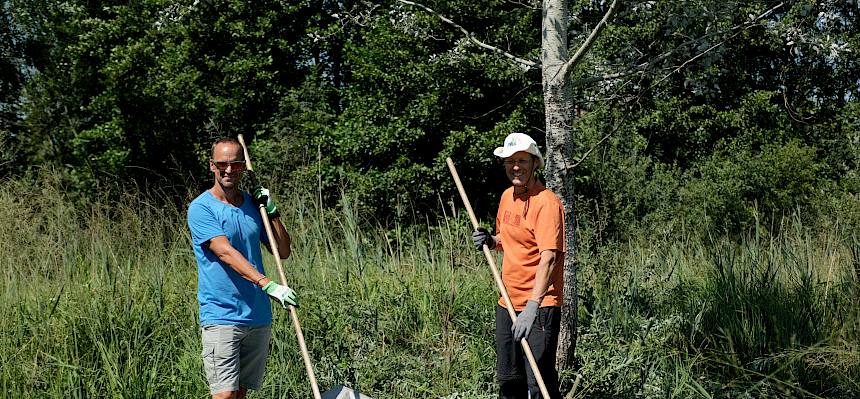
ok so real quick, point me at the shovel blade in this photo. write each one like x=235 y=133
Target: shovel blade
x=342 y=392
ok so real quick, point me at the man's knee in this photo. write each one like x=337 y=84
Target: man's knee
x=242 y=393
x=225 y=395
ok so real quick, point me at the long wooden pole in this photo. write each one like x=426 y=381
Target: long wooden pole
x=499 y=284
x=293 y=314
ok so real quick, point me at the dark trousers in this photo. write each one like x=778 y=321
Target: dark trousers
x=513 y=372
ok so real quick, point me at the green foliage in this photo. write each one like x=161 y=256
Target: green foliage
x=139 y=91
x=112 y=311
x=716 y=139
x=407 y=102
x=735 y=187
x=725 y=128
x=370 y=97
x=693 y=316
x=100 y=301
x=11 y=73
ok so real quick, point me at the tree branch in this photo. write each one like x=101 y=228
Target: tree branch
x=523 y=63
x=506 y=102
x=535 y=6
x=618 y=75
x=737 y=29
x=599 y=142
x=792 y=111
x=566 y=68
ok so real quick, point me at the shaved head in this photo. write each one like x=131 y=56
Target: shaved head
x=223 y=140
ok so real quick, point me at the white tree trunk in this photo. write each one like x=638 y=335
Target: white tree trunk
x=558 y=105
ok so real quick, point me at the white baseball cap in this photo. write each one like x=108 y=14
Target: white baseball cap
x=516 y=142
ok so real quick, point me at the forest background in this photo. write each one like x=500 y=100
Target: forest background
x=716 y=188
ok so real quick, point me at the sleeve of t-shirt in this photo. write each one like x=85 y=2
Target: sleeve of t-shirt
x=203 y=224
x=549 y=227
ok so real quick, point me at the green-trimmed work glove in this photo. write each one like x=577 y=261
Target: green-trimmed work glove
x=263 y=197
x=525 y=320
x=284 y=295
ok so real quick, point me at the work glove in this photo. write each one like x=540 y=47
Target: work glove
x=525 y=320
x=284 y=295
x=263 y=197
x=481 y=236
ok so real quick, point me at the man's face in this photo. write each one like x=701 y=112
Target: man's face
x=519 y=167
x=227 y=164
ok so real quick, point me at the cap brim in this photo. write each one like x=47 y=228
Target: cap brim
x=504 y=152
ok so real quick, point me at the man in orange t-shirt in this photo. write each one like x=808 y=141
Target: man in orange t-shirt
x=530 y=232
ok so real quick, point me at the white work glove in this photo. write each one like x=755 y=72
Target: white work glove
x=525 y=320
x=284 y=295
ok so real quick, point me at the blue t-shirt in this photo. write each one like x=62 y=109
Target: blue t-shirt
x=224 y=296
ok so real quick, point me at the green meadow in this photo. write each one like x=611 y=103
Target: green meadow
x=98 y=300
x=709 y=150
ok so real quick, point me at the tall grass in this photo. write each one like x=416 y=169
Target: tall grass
x=99 y=300
x=724 y=317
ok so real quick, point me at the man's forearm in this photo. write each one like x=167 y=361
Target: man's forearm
x=282 y=238
x=234 y=259
x=542 y=275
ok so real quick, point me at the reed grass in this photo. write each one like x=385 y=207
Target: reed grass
x=99 y=300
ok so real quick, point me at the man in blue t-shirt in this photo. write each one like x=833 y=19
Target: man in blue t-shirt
x=232 y=289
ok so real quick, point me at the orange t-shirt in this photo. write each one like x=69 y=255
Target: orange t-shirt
x=527 y=225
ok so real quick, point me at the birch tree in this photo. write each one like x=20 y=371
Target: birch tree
x=556 y=65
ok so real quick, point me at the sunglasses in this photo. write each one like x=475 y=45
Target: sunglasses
x=236 y=165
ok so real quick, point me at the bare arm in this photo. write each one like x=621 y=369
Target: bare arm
x=542 y=276
x=222 y=248
x=282 y=238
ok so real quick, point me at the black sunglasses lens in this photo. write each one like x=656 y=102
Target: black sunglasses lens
x=237 y=165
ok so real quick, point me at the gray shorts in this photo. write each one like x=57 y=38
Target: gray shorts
x=234 y=357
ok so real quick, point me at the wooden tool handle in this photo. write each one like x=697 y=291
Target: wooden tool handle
x=293 y=313
x=499 y=284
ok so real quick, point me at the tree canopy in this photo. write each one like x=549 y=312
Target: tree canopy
x=684 y=110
